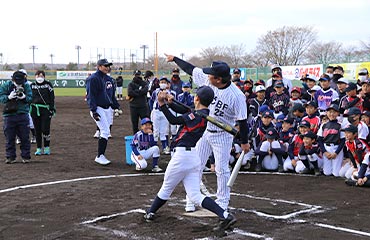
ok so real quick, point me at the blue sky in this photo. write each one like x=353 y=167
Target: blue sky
x=109 y=27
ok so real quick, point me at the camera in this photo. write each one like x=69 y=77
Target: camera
x=20 y=91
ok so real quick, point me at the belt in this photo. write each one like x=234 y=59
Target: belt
x=322 y=110
x=330 y=144
x=213 y=131
x=186 y=148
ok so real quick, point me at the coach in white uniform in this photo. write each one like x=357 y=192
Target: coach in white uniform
x=229 y=104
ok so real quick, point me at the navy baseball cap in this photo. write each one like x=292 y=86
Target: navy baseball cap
x=335 y=107
x=218 y=68
x=186 y=85
x=298 y=107
x=206 y=95
x=263 y=108
x=351 y=86
x=310 y=134
x=267 y=114
x=146 y=120
x=279 y=84
x=260 y=82
x=354 y=111
x=104 y=62
x=288 y=120
x=304 y=124
x=351 y=128
x=311 y=103
x=236 y=70
x=366 y=113
x=271 y=133
x=137 y=72
x=176 y=70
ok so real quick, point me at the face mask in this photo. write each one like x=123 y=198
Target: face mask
x=330 y=75
x=362 y=78
x=162 y=86
x=337 y=76
x=39 y=79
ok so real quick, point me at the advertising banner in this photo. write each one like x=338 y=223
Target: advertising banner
x=72 y=75
x=296 y=72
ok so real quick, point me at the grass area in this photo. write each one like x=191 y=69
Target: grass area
x=70 y=92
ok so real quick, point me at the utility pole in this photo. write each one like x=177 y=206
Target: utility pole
x=51 y=59
x=144 y=47
x=1 y=59
x=182 y=55
x=78 y=47
x=33 y=47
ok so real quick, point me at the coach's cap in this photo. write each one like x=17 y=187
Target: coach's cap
x=351 y=128
x=343 y=80
x=23 y=71
x=297 y=89
x=146 y=120
x=351 y=86
x=333 y=106
x=363 y=71
x=271 y=133
x=314 y=88
x=267 y=113
x=311 y=77
x=310 y=134
x=137 y=72
x=236 y=70
x=311 y=103
x=298 y=107
x=206 y=95
x=304 y=124
x=176 y=70
x=218 y=69
x=354 y=111
x=288 y=120
x=338 y=67
x=260 y=88
x=104 y=62
x=260 y=82
x=164 y=78
x=324 y=77
x=280 y=117
x=248 y=80
x=186 y=85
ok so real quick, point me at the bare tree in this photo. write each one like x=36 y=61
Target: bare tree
x=285 y=45
x=349 y=53
x=235 y=54
x=366 y=46
x=213 y=54
x=324 y=53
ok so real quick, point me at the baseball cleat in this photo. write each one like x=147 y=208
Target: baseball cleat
x=47 y=151
x=10 y=160
x=102 y=160
x=17 y=141
x=26 y=160
x=190 y=207
x=33 y=139
x=226 y=223
x=149 y=216
x=166 y=151
x=97 y=134
x=157 y=169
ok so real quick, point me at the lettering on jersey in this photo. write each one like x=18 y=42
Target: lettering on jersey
x=278 y=103
x=220 y=107
x=191 y=116
x=109 y=85
x=326 y=132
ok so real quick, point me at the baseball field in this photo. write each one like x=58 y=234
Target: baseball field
x=67 y=196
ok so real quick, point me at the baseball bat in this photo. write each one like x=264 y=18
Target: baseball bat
x=214 y=121
x=236 y=169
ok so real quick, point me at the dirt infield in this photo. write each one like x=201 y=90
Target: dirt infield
x=67 y=196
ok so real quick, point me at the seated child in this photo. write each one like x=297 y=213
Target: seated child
x=308 y=155
x=144 y=147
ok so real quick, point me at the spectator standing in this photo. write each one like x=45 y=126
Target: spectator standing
x=137 y=91
x=119 y=84
x=17 y=96
x=176 y=82
x=42 y=110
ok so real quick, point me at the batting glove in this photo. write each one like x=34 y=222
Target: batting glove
x=12 y=95
x=96 y=116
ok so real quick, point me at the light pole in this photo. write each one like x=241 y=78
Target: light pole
x=51 y=58
x=144 y=47
x=78 y=47
x=132 y=58
x=33 y=47
x=182 y=55
x=1 y=58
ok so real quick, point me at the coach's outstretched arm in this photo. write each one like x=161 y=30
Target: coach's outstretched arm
x=185 y=66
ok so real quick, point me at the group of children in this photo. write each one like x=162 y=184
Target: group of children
x=311 y=130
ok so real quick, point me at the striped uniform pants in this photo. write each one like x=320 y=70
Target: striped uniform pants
x=220 y=144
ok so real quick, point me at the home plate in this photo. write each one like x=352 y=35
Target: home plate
x=200 y=213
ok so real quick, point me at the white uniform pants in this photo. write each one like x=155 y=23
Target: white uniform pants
x=160 y=125
x=106 y=119
x=332 y=166
x=151 y=152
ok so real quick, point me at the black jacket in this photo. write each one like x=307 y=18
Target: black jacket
x=137 y=90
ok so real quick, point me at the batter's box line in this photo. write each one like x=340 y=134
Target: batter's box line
x=308 y=207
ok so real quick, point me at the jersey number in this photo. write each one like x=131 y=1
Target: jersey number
x=219 y=113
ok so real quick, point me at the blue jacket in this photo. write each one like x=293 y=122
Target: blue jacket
x=23 y=105
x=101 y=90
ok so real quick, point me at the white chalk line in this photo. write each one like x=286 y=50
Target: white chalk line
x=313 y=208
